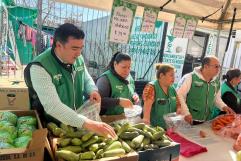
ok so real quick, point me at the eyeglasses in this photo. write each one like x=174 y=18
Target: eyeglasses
x=215 y=66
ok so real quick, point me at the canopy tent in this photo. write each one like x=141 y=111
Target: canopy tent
x=220 y=11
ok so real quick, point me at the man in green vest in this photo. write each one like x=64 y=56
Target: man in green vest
x=200 y=92
x=58 y=78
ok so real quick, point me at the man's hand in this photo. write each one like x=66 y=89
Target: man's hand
x=136 y=99
x=95 y=97
x=126 y=103
x=100 y=128
x=188 y=118
x=228 y=110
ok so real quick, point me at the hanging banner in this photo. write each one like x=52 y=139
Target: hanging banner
x=149 y=19
x=184 y=26
x=3 y=25
x=191 y=24
x=143 y=48
x=122 y=15
x=211 y=46
x=175 y=51
x=179 y=25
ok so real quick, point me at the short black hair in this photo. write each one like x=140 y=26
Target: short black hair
x=206 y=61
x=63 y=32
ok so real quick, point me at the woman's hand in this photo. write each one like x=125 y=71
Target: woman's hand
x=146 y=121
x=126 y=103
x=228 y=110
x=188 y=118
x=136 y=99
x=95 y=97
x=179 y=111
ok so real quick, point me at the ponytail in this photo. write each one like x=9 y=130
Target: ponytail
x=118 y=57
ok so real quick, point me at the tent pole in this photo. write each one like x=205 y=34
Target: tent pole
x=231 y=29
x=236 y=45
x=160 y=52
x=217 y=44
x=161 y=8
x=229 y=37
x=39 y=27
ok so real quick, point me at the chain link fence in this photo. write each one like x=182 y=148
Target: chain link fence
x=144 y=48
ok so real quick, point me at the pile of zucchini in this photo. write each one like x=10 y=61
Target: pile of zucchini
x=78 y=144
x=142 y=137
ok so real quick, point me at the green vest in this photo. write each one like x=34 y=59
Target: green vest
x=200 y=98
x=162 y=105
x=119 y=89
x=70 y=91
x=225 y=88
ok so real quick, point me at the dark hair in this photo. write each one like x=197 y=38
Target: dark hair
x=118 y=57
x=206 y=60
x=232 y=73
x=63 y=32
x=163 y=68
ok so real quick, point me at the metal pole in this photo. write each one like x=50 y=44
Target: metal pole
x=221 y=18
x=161 y=8
x=229 y=37
x=160 y=52
x=231 y=29
x=233 y=54
x=217 y=44
x=39 y=24
x=163 y=42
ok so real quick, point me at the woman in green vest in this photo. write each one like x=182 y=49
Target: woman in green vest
x=116 y=86
x=160 y=97
x=229 y=92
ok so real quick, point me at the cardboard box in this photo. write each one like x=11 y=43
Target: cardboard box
x=169 y=153
x=34 y=152
x=14 y=95
x=38 y=145
x=133 y=156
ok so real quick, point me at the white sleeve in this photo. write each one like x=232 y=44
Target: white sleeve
x=183 y=88
x=218 y=101
x=48 y=96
